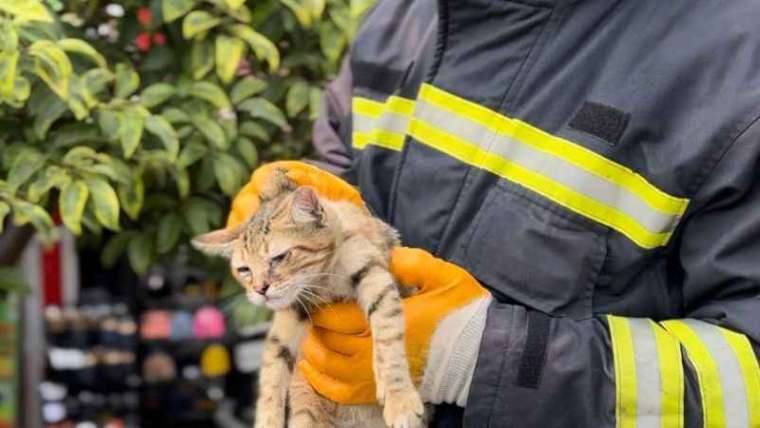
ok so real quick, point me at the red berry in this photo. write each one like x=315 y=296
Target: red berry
x=159 y=39
x=142 y=41
x=144 y=16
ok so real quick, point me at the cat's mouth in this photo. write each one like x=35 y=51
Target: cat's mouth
x=275 y=299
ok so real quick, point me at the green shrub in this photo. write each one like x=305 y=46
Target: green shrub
x=138 y=120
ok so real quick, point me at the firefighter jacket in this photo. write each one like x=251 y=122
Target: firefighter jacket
x=596 y=165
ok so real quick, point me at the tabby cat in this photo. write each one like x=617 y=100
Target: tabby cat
x=300 y=251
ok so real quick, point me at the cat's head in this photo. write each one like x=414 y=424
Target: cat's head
x=281 y=254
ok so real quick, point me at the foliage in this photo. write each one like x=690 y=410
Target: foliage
x=137 y=121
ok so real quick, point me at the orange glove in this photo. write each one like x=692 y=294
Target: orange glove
x=246 y=202
x=338 y=349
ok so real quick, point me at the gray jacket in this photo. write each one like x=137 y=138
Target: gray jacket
x=595 y=165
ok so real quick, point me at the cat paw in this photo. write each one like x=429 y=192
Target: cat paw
x=403 y=409
x=269 y=421
x=380 y=393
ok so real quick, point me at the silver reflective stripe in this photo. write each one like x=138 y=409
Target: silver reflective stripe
x=557 y=169
x=735 y=401
x=362 y=123
x=392 y=122
x=648 y=389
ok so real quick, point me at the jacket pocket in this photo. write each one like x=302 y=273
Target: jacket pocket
x=535 y=252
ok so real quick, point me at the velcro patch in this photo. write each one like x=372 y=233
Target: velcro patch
x=602 y=121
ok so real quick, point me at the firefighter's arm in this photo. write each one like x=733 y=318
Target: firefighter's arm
x=605 y=371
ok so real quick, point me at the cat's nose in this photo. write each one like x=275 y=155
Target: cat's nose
x=262 y=289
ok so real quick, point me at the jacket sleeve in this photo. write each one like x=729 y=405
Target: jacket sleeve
x=331 y=134
x=615 y=371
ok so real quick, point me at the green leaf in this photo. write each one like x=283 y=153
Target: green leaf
x=140 y=253
x=253 y=130
x=264 y=49
x=245 y=88
x=247 y=151
x=51 y=111
x=211 y=131
x=156 y=94
x=229 y=173
x=26 y=10
x=52 y=176
x=234 y=4
x=25 y=212
x=332 y=41
x=211 y=93
x=317 y=8
x=83 y=48
x=315 y=102
x=264 y=109
x=127 y=81
x=229 y=51
x=197 y=22
x=72 y=134
x=25 y=165
x=201 y=215
x=114 y=248
x=173 y=9
x=201 y=58
x=169 y=231
x=191 y=153
x=130 y=131
x=8 y=63
x=301 y=11
x=165 y=132
x=72 y=201
x=105 y=203
x=132 y=195
x=359 y=7
x=8 y=36
x=242 y=13
x=175 y=115
x=52 y=66
x=95 y=81
x=297 y=98
x=4 y=210
x=182 y=178
x=80 y=156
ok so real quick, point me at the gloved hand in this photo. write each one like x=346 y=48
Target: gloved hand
x=444 y=324
x=247 y=202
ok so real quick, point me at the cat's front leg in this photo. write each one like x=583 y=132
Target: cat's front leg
x=277 y=364
x=380 y=300
x=307 y=408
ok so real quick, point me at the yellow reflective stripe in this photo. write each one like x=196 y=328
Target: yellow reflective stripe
x=377 y=118
x=707 y=373
x=563 y=195
x=378 y=137
x=367 y=107
x=750 y=372
x=400 y=105
x=625 y=372
x=671 y=377
x=556 y=146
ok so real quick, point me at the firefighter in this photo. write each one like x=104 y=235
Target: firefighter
x=577 y=183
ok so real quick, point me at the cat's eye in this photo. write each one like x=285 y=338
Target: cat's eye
x=244 y=271
x=279 y=258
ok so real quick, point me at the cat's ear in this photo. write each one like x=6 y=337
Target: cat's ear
x=219 y=242
x=306 y=208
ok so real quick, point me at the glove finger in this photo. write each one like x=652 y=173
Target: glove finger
x=332 y=363
x=417 y=268
x=346 y=344
x=345 y=318
x=338 y=391
x=243 y=206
